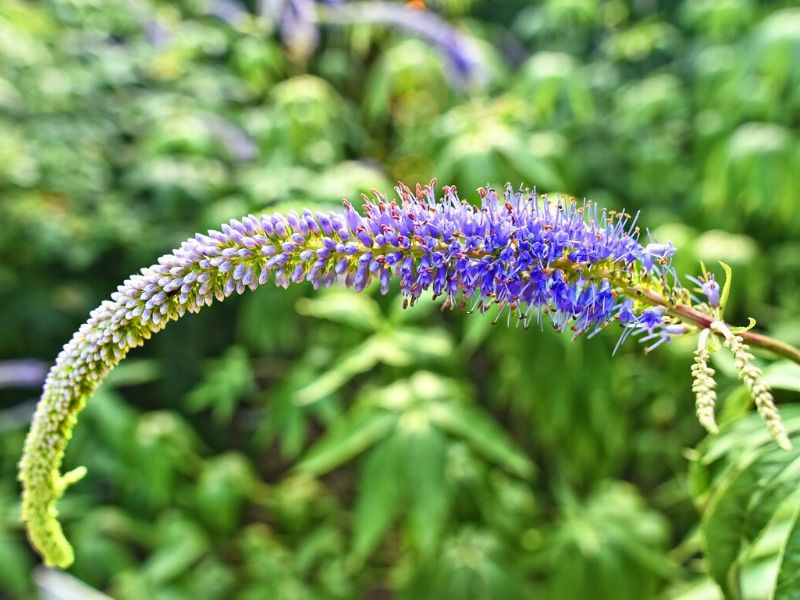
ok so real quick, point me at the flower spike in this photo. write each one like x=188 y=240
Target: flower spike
x=751 y=375
x=704 y=384
x=532 y=256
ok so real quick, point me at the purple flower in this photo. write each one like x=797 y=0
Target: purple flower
x=708 y=286
x=657 y=254
x=524 y=254
x=25 y=372
x=236 y=141
x=298 y=25
x=157 y=33
x=458 y=50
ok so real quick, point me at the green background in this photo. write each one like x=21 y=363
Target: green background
x=290 y=444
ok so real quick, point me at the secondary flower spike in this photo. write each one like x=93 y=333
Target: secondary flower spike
x=534 y=257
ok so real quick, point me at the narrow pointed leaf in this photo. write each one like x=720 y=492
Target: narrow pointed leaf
x=430 y=497
x=380 y=489
x=787 y=586
x=356 y=361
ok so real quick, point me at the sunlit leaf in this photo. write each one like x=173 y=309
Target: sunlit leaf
x=423 y=344
x=345 y=440
x=343 y=306
x=358 y=360
x=726 y=287
x=783 y=375
x=486 y=437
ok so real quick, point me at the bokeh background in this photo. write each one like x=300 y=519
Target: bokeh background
x=299 y=445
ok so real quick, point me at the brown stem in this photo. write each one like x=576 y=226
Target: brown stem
x=686 y=313
x=695 y=317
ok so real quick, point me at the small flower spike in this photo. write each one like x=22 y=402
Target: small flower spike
x=703 y=384
x=751 y=375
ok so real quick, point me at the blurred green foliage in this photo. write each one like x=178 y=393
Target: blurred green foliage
x=293 y=445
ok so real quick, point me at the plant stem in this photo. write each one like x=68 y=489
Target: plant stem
x=691 y=315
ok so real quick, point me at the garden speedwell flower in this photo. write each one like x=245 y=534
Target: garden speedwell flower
x=535 y=258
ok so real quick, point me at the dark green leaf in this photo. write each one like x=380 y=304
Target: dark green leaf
x=380 y=489
x=741 y=479
x=424 y=454
x=788 y=585
x=343 y=306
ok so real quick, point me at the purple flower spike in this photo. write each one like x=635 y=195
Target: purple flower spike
x=527 y=255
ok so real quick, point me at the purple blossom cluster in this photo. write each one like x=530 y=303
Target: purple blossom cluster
x=528 y=255
x=523 y=253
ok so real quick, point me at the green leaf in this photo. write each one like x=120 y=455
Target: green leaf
x=343 y=306
x=134 y=371
x=181 y=544
x=784 y=375
x=379 y=494
x=423 y=344
x=740 y=481
x=399 y=348
x=358 y=360
x=787 y=586
x=17 y=565
x=751 y=322
x=425 y=449
x=722 y=453
x=742 y=508
x=227 y=381
x=340 y=444
x=422 y=308
x=485 y=437
x=737 y=405
x=223 y=485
